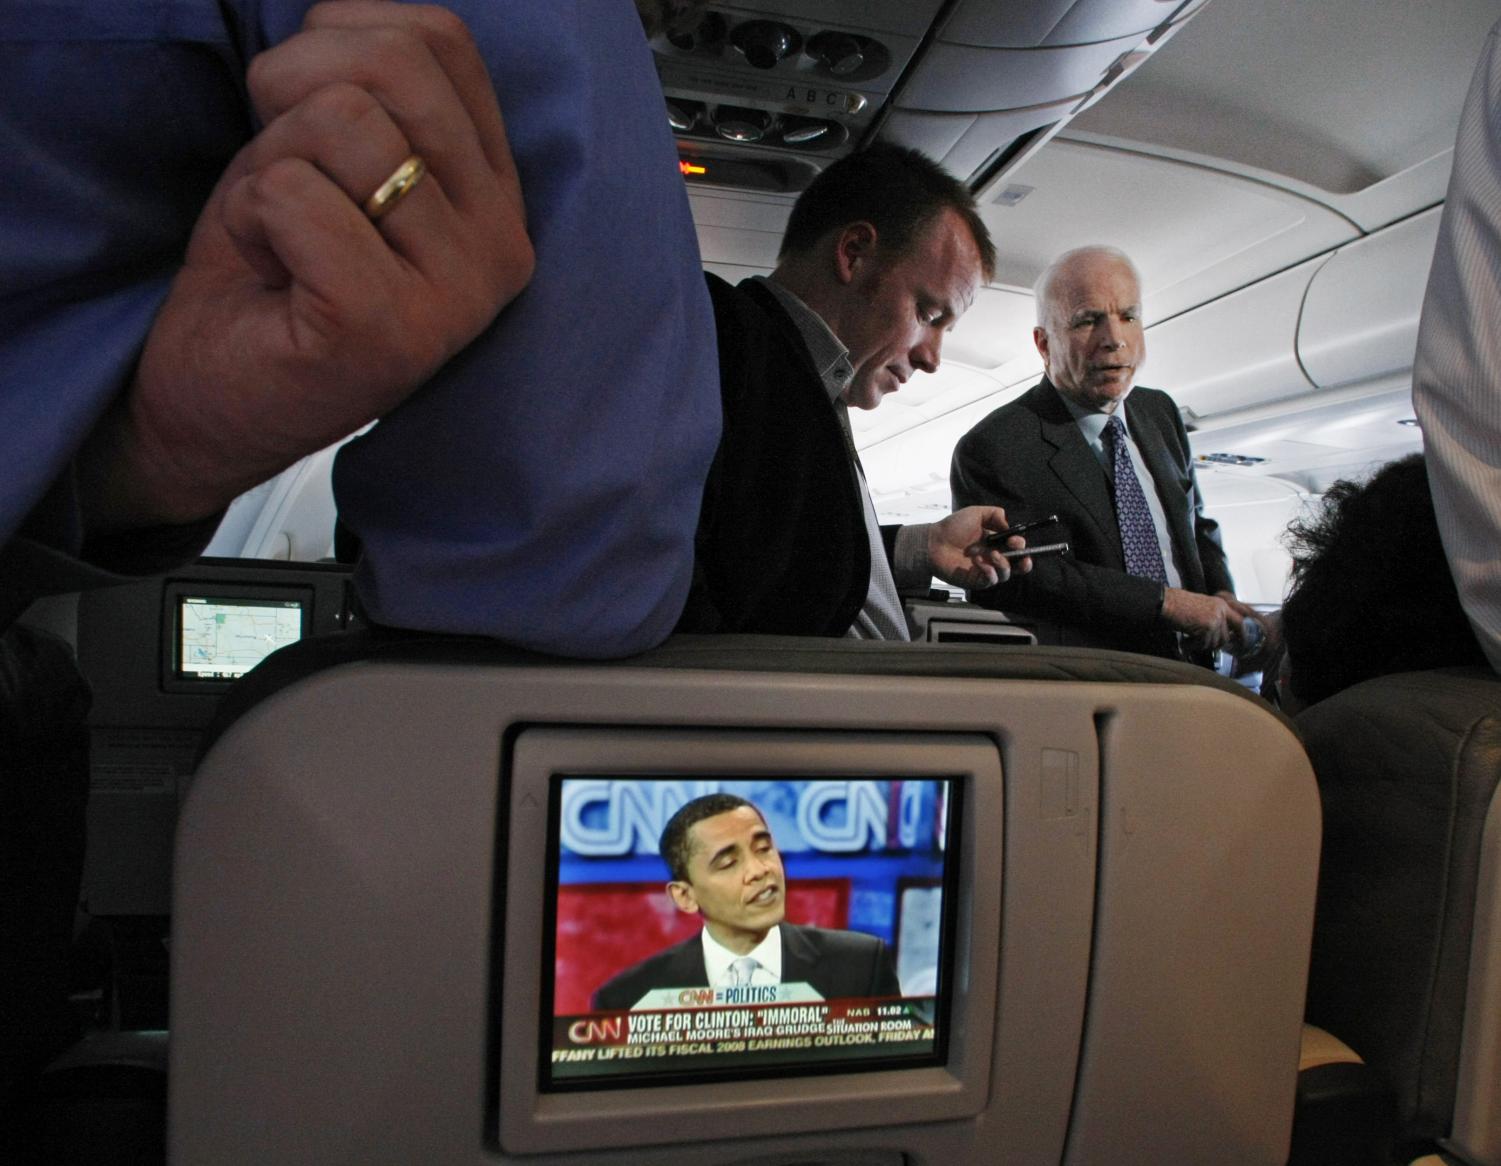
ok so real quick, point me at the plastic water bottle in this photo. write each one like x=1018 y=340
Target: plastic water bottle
x=1232 y=663
x=1251 y=637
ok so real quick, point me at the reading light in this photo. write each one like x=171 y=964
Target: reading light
x=703 y=33
x=838 y=52
x=741 y=125
x=682 y=116
x=806 y=134
x=812 y=133
x=764 y=42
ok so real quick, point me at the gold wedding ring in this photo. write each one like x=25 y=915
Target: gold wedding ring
x=397 y=187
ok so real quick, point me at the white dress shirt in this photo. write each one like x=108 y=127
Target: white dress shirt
x=767 y=953
x=1456 y=382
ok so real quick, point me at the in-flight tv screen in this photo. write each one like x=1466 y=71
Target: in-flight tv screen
x=794 y=926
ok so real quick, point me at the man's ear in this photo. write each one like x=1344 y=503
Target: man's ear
x=1040 y=338
x=853 y=248
x=682 y=897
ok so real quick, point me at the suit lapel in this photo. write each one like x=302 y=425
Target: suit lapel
x=811 y=379
x=688 y=970
x=1075 y=464
x=798 y=959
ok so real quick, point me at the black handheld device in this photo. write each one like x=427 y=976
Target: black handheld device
x=997 y=538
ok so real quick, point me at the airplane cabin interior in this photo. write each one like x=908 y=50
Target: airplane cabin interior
x=324 y=900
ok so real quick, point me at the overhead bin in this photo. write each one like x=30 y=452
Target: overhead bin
x=996 y=78
x=1238 y=350
x=964 y=141
x=1360 y=316
x=966 y=78
x=1058 y=22
x=1341 y=319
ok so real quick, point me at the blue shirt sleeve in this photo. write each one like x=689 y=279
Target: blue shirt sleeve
x=121 y=118
x=544 y=488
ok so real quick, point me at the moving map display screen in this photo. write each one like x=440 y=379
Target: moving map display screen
x=838 y=885
x=224 y=637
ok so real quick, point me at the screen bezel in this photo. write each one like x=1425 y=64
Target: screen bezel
x=530 y=1120
x=173 y=679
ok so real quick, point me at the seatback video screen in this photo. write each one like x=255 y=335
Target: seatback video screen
x=222 y=638
x=714 y=928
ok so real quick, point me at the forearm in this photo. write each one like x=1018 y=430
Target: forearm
x=1082 y=594
x=129 y=478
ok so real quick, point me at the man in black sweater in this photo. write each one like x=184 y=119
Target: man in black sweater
x=883 y=253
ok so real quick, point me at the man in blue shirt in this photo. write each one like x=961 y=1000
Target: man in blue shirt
x=235 y=231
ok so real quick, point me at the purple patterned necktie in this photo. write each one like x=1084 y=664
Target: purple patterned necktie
x=1138 y=534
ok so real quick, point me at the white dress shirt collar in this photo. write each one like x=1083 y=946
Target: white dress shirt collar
x=767 y=953
x=830 y=357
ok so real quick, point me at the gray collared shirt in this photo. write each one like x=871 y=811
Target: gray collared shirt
x=882 y=616
x=1092 y=426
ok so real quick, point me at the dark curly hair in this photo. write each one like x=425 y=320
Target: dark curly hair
x=1371 y=588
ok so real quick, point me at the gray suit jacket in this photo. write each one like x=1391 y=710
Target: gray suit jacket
x=836 y=963
x=1030 y=458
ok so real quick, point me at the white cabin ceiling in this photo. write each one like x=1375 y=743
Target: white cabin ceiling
x=1339 y=94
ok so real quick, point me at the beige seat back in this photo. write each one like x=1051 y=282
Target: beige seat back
x=1406 y=963
x=1142 y=879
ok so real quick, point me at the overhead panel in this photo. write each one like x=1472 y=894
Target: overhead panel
x=1090 y=20
x=1009 y=75
x=1239 y=350
x=738 y=248
x=967 y=78
x=1353 y=99
x=1194 y=233
x=1058 y=22
x=763 y=96
x=966 y=141
x=739 y=228
x=995 y=331
x=933 y=133
x=1360 y=319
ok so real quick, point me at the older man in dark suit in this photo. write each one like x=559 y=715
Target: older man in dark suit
x=726 y=868
x=1145 y=571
